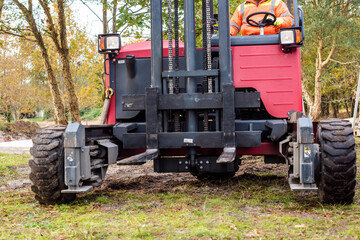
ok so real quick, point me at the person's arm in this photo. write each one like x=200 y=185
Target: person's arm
x=284 y=17
x=235 y=22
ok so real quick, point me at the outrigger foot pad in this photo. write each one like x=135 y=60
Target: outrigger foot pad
x=227 y=156
x=82 y=189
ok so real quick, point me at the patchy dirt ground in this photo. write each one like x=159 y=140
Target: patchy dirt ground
x=19 y=130
x=142 y=178
x=19 y=180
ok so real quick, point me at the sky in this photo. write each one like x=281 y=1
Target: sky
x=87 y=18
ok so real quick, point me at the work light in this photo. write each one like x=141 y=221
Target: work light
x=109 y=43
x=287 y=37
x=290 y=36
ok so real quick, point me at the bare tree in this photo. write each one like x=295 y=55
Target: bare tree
x=54 y=89
x=1 y=6
x=60 y=40
x=115 y=4
x=105 y=25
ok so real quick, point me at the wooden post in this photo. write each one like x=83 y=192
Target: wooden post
x=356 y=103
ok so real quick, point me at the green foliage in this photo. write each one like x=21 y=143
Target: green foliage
x=90 y=114
x=332 y=22
x=2 y=127
x=48 y=114
x=134 y=17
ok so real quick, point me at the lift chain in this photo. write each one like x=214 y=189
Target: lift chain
x=208 y=43
x=170 y=37
x=177 y=87
x=207 y=60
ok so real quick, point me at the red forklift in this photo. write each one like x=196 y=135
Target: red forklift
x=199 y=110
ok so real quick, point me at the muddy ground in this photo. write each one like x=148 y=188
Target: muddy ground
x=143 y=179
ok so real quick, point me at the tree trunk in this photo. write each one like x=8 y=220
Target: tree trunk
x=308 y=98
x=325 y=107
x=115 y=3
x=334 y=110
x=1 y=6
x=54 y=89
x=347 y=106
x=316 y=108
x=65 y=59
x=320 y=66
x=105 y=25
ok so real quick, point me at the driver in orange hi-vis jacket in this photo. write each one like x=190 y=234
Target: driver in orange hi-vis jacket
x=238 y=20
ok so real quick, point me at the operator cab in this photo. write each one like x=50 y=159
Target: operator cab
x=287 y=37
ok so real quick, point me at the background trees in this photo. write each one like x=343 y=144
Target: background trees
x=331 y=50
x=50 y=38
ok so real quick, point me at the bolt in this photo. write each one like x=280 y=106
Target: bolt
x=201 y=167
x=207 y=162
x=201 y=162
x=180 y=162
x=186 y=167
x=186 y=162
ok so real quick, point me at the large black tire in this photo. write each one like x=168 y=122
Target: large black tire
x=47 y=166
x=336 y=176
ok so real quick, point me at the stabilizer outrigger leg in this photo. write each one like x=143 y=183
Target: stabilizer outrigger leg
x=82 y=173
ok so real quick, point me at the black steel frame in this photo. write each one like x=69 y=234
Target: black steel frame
x=157 y=103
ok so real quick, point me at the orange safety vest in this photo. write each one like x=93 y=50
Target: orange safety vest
x=278 y=7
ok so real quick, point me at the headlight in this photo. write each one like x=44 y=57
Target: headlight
x=109 y=43
x=290 y=36
x=287 y=37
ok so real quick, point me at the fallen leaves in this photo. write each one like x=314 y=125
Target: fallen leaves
x=232 y=227
x=253 y=233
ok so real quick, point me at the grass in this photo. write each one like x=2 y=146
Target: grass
x=85 y=114
x=250 y=206
x=36 y=119
x=90 y=114
x=9 y=164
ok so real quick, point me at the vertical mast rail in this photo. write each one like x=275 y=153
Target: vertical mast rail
x=224 y=43
x=227 y=86
x=156 y=43
x=189 y=11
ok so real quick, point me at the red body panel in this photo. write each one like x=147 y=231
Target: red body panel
x=275 y=74
x=111 y=116
x=143 y=49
